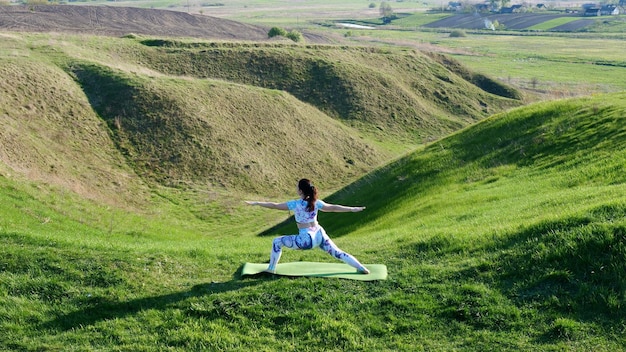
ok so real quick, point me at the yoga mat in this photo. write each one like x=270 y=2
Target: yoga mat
x=338 y=270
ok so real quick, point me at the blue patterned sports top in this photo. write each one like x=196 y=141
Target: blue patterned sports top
x=299 y=210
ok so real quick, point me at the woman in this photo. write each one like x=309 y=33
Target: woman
x=310 y=234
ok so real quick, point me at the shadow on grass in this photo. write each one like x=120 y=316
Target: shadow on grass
x=284 y=227
x=101 y=309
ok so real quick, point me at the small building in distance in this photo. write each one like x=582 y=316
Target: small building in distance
x=591 y=9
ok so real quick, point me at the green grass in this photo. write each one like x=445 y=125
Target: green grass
x=547 y=25
x=555 y=65
x=613 y=24
x=508 y=234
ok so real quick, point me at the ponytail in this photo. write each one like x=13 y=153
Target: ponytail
x=309 y=193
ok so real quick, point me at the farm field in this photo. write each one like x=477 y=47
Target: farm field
x=509 y=21
x=274 y=12
x=565 y=24
x=547 y=63
x=555 y=65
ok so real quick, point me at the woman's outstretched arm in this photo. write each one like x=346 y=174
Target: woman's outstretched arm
x=271 y=205
x=336 y=208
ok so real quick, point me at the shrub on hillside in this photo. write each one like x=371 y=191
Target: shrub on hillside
x=295 y=36
x=457 y=33
x=277 y=31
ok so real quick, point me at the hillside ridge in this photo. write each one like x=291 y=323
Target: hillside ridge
x=222 y=117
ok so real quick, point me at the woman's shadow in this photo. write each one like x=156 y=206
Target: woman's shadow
x=101 y=309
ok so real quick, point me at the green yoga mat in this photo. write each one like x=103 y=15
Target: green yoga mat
x=338 y=270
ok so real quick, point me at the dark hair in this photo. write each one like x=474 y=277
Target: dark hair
x=309 y=192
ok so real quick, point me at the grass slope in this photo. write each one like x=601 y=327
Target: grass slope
x=404 y=93
x=51 y=134
x=222 y=116
x=170 y=130
x=508 y=235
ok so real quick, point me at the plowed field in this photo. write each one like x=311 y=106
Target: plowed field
x=510 y=21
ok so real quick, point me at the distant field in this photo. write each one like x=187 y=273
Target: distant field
x=557 y=65
x=305 y=14
x=591 y=64
x=536 y=52
x=267 y=12
x=553 y=23
x=477 y=21
x=419 y=20
x=560 y=65
x=558 y=22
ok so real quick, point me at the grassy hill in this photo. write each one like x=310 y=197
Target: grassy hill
x=507 y=235
x=401 y=92
x=217 y=117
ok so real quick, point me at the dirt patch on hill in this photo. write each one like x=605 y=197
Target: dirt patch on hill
x=117 y=21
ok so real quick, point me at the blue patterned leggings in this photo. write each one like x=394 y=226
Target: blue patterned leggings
x=307 y=239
